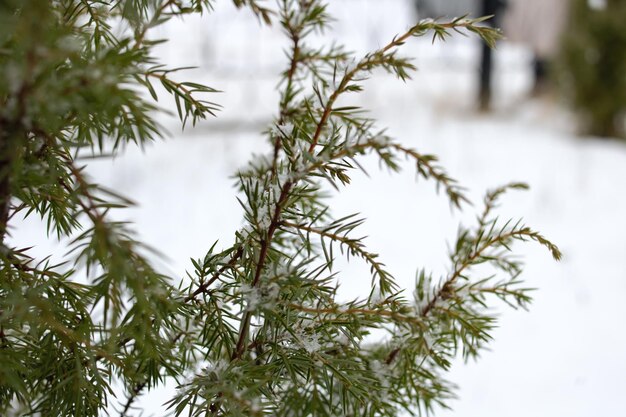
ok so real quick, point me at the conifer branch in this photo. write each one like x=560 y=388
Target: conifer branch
x=260 y=265
x=491 y=199
x=204 y=286
x=425 y=164
x=296 y=350
x=355 y=246
x=501 y=239
x=90 y=208
x=156 y=17
x=382 y=58
x=288 y=95
x=426 y=168
x=378 y=312
x=184 y=91
x=136 y=391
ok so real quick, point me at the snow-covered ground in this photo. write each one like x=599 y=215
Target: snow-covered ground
x=566 y=356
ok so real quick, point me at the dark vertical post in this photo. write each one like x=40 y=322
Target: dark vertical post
x=489 y=8
x=5 y=172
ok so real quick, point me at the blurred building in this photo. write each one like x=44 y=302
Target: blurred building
x=538 y=24
x=475 y=8
x=447 y=8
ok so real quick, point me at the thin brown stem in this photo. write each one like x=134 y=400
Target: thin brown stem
x=284 y=104
x=360 y=311
x=265 y=245
x=90 y=208
x=11 y=131
x=203 y=287
x=5 y=189
x=7 y=155
x=368 y=61
x=349 y=75
x=139 y=38
x=293 y=66
x=132 y=397
x=468 y=261
x=354 y=245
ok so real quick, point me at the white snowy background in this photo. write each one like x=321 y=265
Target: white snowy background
x=567 y=355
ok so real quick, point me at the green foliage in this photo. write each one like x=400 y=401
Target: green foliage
x=257 y=328
x=592 y=66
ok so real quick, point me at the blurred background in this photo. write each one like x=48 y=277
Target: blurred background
x=547 y=107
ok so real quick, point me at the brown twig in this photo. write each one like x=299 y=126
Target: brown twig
x=467 y=262
x=362 y=311
x=293 y=66
x=132 y=397
x=139 y=38
x=203 y=287
x=265 y=245
x=367 y=61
